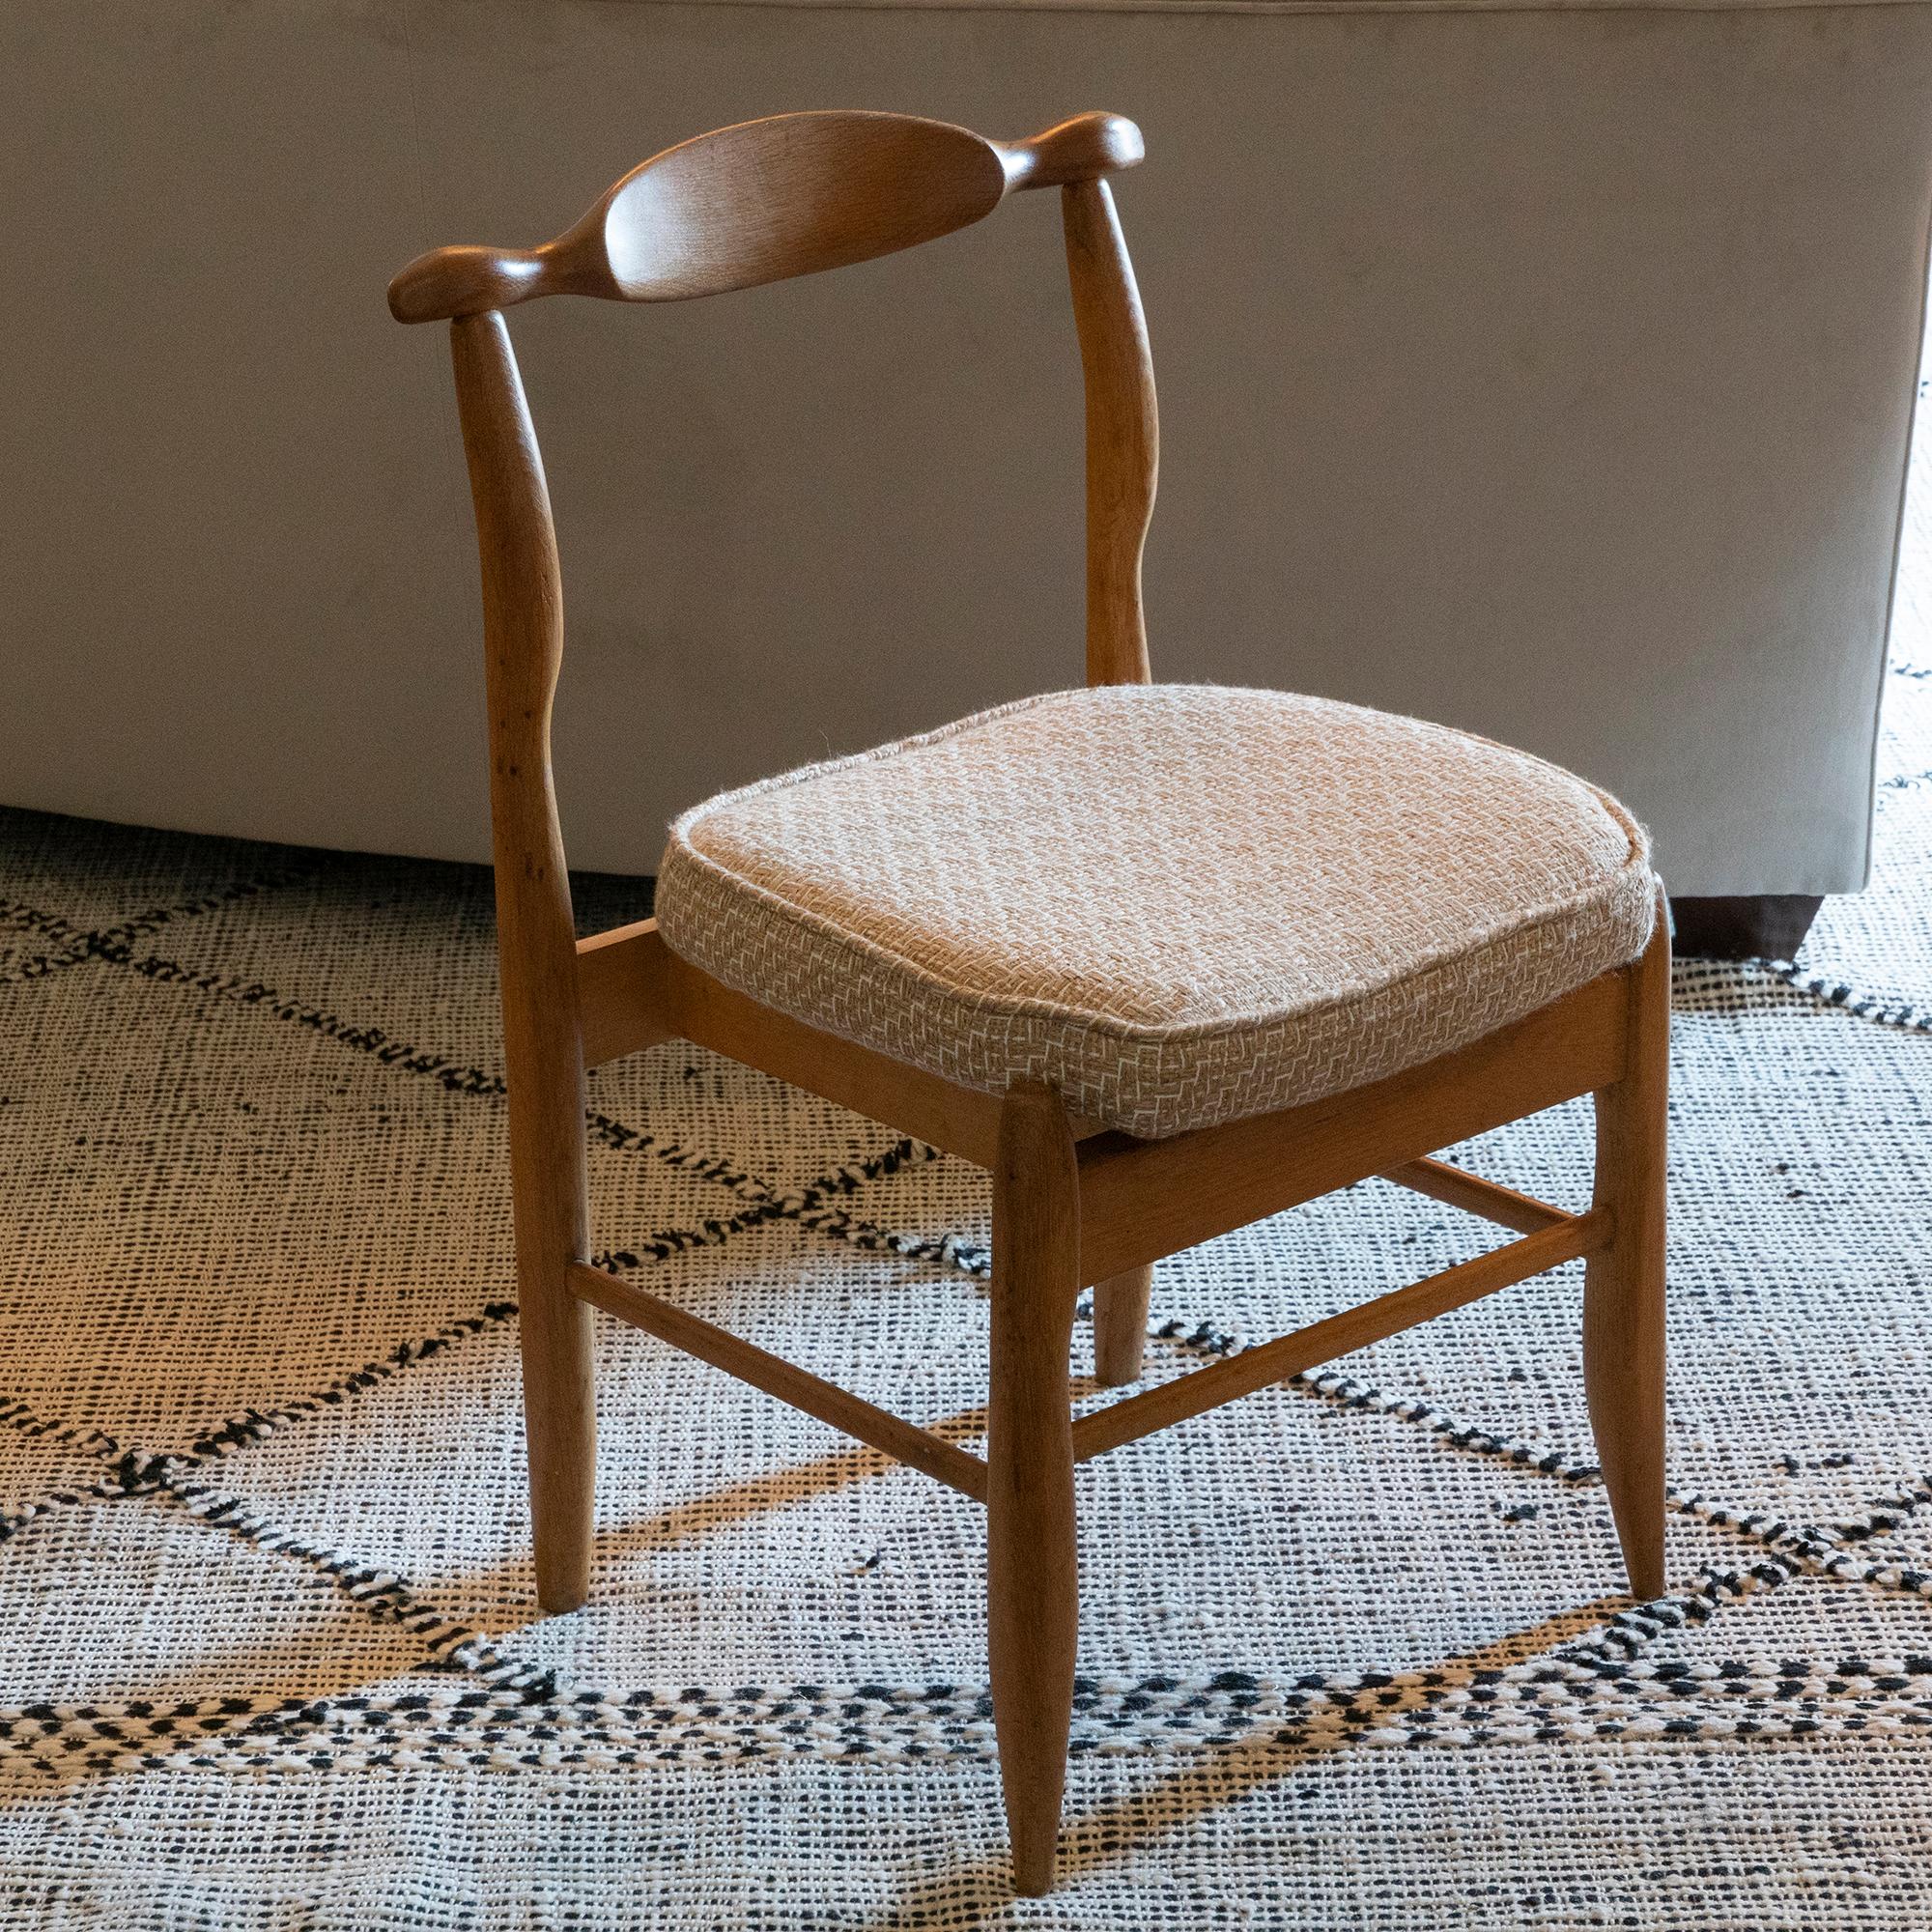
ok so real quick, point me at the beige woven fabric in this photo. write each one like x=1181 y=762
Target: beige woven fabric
x=1179 y=904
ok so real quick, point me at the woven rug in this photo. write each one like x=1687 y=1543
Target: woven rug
x=1353 y=1653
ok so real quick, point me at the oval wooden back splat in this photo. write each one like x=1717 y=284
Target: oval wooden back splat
x=763 y=201
x=789 y=196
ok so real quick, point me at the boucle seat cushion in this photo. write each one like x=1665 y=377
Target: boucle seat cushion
x=1177 y=904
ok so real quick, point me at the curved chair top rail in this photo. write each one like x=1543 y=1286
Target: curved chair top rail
x=766 y=200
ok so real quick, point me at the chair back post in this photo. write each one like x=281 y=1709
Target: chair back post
x=1122 y=431
x=522 y=642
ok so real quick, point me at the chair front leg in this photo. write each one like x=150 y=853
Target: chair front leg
x=1624 y=1283
x=1032 y=1561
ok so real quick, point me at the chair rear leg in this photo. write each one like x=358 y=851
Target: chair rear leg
x=1120 y=1326
x=1032 y=1563
x=1624 y=1284
x=536 y=950
x=560 y=1429
x=550 y=1191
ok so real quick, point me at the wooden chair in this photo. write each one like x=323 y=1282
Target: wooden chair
x=1088 y=1187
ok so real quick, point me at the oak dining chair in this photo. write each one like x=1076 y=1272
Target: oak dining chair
x=1165 y=959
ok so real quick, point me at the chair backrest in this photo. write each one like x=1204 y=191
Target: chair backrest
x=758 y=203
x=764 y=201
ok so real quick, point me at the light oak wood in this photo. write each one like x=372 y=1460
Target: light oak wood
x=699 y=1008
x=637 y=991
x=1624 y=1285
x=890 y=1434
x=1032 y=1562
x=1271 y=1362
x=1141 y=1200
x=1476 y=1196
x=1072 y=1203
x=522 y=646
x=792 y=195
x=617 y=998
x=1120 y=1326
x=1122 y=431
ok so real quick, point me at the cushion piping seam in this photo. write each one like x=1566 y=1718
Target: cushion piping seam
x=1179 y=1033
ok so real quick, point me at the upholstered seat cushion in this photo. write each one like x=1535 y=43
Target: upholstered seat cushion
x=1176 y=903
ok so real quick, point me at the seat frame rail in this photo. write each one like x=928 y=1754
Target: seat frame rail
x=633 y=992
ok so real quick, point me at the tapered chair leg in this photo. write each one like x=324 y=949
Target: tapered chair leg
x=1032 y=1562
x=561 y=1427
x=1624 y=1283
x=549 y=1192
x=536 y=947
x=1120 y=1326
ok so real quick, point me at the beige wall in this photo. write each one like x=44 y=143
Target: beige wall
x=1543 y=371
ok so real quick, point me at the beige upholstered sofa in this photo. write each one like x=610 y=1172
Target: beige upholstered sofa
x=1543 y=369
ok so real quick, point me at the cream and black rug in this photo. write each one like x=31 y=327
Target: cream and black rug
x=1351 y=1653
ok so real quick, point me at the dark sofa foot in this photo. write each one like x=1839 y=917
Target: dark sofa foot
x=1765 y=926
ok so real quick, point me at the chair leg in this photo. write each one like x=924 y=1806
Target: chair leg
x=560 y=1430
x=1624 y=1284
x=550 y=1194
x=1032 y=1561
x=1120 y=1326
